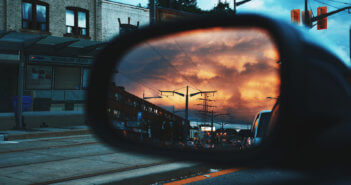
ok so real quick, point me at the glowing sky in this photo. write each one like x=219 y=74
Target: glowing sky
x=239 y=64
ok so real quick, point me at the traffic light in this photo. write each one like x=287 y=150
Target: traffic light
x=295 y=16
x=307 y=21
x=322 y=23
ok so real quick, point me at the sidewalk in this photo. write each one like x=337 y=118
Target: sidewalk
x=9 y=135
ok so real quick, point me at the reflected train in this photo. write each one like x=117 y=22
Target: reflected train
x=137 y=117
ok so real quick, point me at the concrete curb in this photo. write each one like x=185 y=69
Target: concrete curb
x=9 y=137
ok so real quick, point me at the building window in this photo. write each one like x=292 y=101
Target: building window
x=35 y=15
x=77 y=22
x=67 y=78
x=39 y=77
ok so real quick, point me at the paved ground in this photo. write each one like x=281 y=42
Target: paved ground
x=79 y=159
x=43 y=132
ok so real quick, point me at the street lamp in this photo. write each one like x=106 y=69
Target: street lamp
x=145 y=98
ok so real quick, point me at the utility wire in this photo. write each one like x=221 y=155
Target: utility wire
x=340 y=2
x=327 y=4
x=179 y=88
x=311 y=8
x=149 y=87
x=189 y=59
x=185 y=53
x=165 y=59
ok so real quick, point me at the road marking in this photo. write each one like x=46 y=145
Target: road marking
x=203 y=177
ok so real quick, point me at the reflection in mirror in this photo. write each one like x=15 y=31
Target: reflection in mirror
x=208 y=89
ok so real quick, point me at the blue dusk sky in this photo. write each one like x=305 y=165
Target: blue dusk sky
x=336 y=37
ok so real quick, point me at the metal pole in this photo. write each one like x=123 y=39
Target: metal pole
x=222 y=127
x=350 y=43
x=186 y=103
x=187 y=111
x=152 y=11
x=222 y=132
x=212 y=127
x=19 y=114
x=234 y=7
x=306 y=14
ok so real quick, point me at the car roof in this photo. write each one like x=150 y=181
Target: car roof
x=265 y=111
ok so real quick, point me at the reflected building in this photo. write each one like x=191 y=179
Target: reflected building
x=138 y=118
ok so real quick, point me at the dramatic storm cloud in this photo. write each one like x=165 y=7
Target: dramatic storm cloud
x=240 y=64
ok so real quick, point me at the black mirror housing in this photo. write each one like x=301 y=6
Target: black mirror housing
x=301 y=64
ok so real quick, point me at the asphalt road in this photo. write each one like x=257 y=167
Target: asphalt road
x=81 y=159
x=77 y=159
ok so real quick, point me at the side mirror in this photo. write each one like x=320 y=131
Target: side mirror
x=142 y=79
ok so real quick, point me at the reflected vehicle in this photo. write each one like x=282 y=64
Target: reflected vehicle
x=259 y=128
x=190 y=144
x=193 y=89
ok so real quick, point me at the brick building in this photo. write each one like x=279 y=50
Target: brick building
x=46 y=50
x=112 y=11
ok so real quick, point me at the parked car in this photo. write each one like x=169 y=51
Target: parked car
x=259 y=126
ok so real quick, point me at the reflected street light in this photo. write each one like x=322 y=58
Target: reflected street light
x=145 y=98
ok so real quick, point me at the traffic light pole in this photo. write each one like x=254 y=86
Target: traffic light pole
x=152 y=7
x=313 y=19
x=239 y=3
x=319 y=17
x=306 y=19
x=234 y=6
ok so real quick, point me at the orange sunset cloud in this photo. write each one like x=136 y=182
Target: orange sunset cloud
x=240 y=64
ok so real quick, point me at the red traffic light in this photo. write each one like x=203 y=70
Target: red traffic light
x=322 y=23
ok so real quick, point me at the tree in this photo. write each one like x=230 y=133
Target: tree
x=222 y=8
x=191 y=6
x=184 y=5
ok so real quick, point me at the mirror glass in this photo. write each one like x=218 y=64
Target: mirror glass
x=206 y=89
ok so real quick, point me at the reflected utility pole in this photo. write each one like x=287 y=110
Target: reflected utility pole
x=187 y=95
x=212 y=120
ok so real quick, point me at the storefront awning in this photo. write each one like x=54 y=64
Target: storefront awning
x=35 y=44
